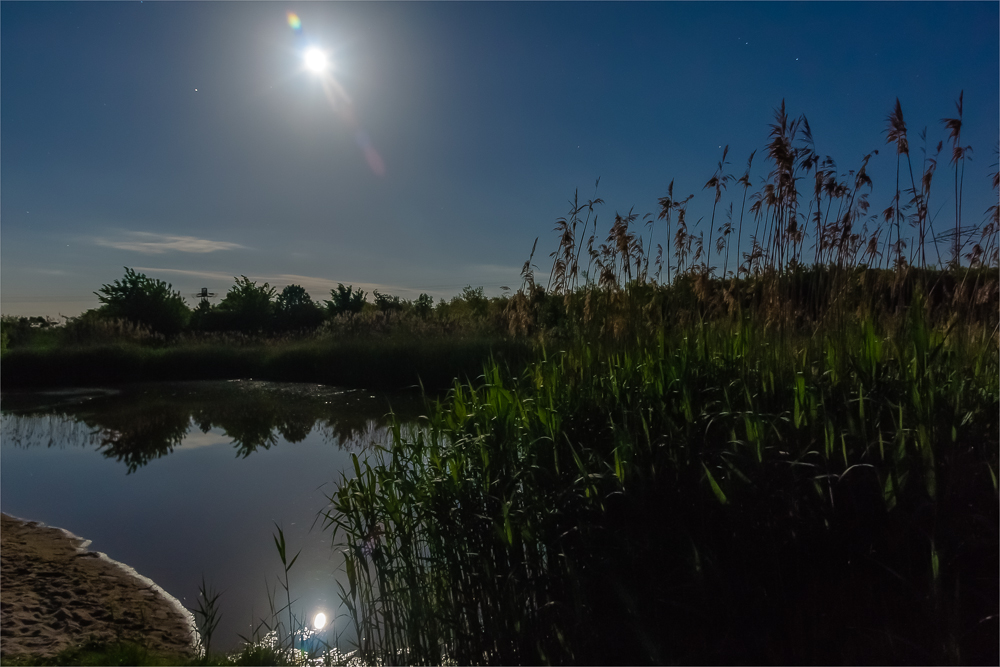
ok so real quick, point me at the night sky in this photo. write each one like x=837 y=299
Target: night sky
x=188 y=141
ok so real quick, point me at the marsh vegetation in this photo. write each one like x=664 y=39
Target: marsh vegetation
x=776 y=442
x=759 y=462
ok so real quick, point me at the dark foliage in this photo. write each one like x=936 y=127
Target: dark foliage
x=145 y=301
x=387 y=302
x=294 y=310
x=424 y=305
x=345 y=300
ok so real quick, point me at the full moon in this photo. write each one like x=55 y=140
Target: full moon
x=320 y=621
x=315 y=60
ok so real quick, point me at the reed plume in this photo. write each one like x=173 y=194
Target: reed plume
x=958 y=155
x=718 y=183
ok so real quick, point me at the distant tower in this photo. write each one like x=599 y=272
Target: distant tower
x=204 y=294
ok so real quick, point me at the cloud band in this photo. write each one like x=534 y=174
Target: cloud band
x=157 y=244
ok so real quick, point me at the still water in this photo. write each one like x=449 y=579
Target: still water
x=188 y=480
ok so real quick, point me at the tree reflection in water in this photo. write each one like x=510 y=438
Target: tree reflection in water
x=141 y=423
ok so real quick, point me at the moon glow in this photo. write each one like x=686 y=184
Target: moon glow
x=315 y=60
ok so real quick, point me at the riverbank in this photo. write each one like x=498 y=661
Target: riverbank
x=55 y=595
x=727 y=494
x=381 y=364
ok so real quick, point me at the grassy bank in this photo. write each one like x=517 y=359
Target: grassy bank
x=381 y=364
x=726 y=493
x=393 y=349
x=131 y=653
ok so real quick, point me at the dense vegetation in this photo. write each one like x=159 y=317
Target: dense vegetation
x=723 y=495
x=256 y=332
x=781 y=464
x=739 y=449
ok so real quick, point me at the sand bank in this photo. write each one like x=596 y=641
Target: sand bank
x=55 y=594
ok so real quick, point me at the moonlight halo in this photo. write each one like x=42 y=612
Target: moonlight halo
x=315 y=60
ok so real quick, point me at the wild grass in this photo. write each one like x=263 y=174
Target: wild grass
x=91 y=653
x=722 y=496
x=275 y=642
x=788 y=463
x=131 y=653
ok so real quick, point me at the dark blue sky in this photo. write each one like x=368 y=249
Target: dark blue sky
x=186 y=140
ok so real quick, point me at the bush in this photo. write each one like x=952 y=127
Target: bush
x=387 y=302
x=295 y=310
x=93 y=327
x=424 y=305
x=202 y=316
x=247 y=307
x=19 y=331
x=345 y=300
x=475 y=298
x=145 y=301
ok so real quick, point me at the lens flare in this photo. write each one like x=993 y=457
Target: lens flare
x=315 y=60
x=320 y=621
x=371 y=155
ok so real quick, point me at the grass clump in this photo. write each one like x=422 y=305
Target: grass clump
x=722 y=495
x=134 y=653
x=105 y=653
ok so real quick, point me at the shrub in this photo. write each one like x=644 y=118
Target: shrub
x=476 y=300
x=95 y=327
x=387 y=302
x=145 y=301
x=345 y=300
x=202 y=316
x=18 y=331
x=424 y=305
x=295 y=310
x=247 y=306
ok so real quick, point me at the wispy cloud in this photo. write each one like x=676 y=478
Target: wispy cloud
x=46 y=272
x=211 y=275
x=157 y=244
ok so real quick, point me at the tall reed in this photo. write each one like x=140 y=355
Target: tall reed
x=721 y=495
x=788 y=464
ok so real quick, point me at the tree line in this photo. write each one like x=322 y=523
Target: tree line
x=247 y=307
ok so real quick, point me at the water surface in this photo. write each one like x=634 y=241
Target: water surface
x=185 y=480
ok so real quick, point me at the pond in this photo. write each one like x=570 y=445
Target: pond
x=189 y=480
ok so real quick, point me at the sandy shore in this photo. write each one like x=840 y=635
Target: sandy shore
x=55 y=594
